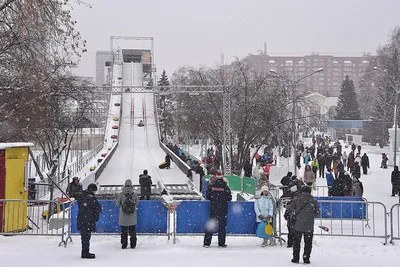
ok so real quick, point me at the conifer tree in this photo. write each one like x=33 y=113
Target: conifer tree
x=347 y=107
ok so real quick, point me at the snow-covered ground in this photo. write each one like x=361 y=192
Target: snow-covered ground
x=157 y=251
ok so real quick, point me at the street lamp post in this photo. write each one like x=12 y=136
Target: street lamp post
x=293 y=85
x=396 y=87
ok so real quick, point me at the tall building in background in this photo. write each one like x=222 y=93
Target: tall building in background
x=326 y=83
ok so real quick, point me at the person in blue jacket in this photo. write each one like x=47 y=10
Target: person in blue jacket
x=329 y=180
x=264 y=208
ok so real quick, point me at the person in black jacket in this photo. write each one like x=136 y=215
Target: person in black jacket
x=395 y=181
x=88 y=215
x=365 y=163
x=168 y=161
x=145 y=185
x=356 y=171
x=321 y=165
x=219 y=195
x=338 y=186
x=285 y=183
x=303 y=208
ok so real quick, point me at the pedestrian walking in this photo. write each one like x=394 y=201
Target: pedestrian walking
x=88 y=214
x=219 y=195
x=301 y=211
x=127 y=201
x=365 y=163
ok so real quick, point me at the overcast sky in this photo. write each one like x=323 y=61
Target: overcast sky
x=196 y=32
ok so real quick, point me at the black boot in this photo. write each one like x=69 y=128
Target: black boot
x=88 y=256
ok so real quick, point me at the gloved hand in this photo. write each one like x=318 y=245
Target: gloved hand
x=261 y=217
x=269 y=218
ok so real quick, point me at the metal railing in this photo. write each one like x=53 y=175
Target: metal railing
x=356 y=219
x=30 y=217
x=394 y=223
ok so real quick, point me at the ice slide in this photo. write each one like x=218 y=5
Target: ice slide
x=138 y=147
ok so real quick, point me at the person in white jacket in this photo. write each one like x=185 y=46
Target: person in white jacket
x=264 y=208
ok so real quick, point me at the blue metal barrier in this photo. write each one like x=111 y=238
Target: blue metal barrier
x=342 y=210
x=192 y=216
x=152 y=217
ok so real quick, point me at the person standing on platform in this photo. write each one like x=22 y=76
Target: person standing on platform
x=145 y=185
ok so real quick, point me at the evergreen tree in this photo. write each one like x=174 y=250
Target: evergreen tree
x=347 y=107
x=163 y=81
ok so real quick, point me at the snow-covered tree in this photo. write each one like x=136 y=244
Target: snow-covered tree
x=347 y=107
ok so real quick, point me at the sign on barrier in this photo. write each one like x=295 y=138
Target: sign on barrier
x=192 y=217
x=249 y=185
x=339 y=209
x=152 y=217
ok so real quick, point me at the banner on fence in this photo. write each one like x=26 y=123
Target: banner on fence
x=152 y=217
x=192 y=217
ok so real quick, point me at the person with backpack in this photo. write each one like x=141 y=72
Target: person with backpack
x=127 y=201
x=145 y=185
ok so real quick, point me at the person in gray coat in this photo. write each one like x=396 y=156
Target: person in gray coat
x=303 y=208
x=127 y=201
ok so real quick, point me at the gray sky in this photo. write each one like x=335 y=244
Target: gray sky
x=194 y=33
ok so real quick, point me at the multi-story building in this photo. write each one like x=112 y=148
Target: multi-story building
x=327 y=82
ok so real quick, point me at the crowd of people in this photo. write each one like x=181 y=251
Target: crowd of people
x=342 y=170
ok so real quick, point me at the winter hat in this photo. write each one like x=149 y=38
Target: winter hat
x=128 y=183
x=219 y=175
x=75 y=178
x=264 y=188
x=92 y=188
x=145 y=172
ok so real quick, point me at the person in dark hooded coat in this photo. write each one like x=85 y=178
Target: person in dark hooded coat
x=145 y=185
x=127 y=201
x=395 y=179
x=304 y=208
x=88 y=215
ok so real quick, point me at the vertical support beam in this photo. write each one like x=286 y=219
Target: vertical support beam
x=226 y=132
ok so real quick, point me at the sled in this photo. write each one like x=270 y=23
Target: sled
x=162 y=165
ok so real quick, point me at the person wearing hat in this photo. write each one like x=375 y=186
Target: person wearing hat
x=302 y=209
x=145 y=185
x=74 y=188
x=88 y=215
x=127 y=201
x=264 y=209
x=219 y=195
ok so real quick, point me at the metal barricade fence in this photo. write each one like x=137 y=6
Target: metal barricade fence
x=30 y=217
x=346 y=218
x=394 y=223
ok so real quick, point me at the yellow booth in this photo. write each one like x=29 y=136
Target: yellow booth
x=13 y=186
